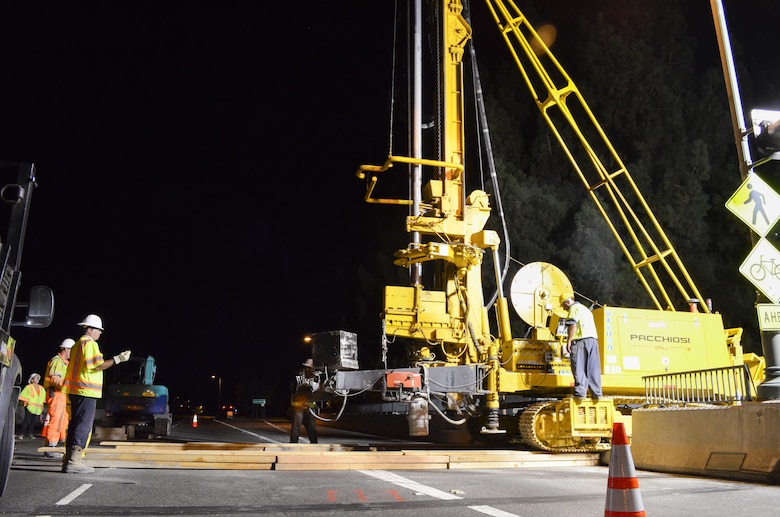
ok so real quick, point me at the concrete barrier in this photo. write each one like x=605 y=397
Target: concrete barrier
x=736 y=442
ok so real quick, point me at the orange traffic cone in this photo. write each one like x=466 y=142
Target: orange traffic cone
x=623 y=497
x=45 y=425
x=195 y=420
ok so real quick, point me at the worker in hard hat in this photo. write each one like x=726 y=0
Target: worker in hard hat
x=305 y=384
x=84 y=385
x=32 y=397
x=57 y=401
x=583 y=347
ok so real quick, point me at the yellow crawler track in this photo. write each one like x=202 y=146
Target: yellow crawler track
x=548 y=426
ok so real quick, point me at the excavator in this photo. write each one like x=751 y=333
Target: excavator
x=440 y=356
x=135 y=405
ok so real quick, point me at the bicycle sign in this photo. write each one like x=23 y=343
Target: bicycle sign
x=759 y=270
x=762 y=269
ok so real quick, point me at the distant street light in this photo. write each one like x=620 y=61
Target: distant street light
x=219 y=391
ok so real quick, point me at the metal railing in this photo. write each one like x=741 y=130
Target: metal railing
x=727 y=385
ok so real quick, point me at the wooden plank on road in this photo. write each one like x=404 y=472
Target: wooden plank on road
x=360 y=466
x=155 y=464
x=243 y=456
x=361 y=457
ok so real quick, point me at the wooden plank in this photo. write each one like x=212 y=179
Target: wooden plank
x=174 y=452
x=149 y=464
x=184 y=446
x=321 y=457
x=324 y=447
x=189 y=458
x=360 y=457
x=343 y=454
x=462 y=457
x=360 y=466
x=519 y=464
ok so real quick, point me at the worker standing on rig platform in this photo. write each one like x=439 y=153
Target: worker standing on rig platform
x=84 y=385
x=56 y=399
x=306 y=383
x=583 y=346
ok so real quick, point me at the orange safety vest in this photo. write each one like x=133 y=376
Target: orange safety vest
x=82 y=378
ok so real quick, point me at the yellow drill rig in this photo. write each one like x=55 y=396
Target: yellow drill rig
x=441 y=357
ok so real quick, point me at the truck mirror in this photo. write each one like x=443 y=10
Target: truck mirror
x=40 y=309
x=12 y=193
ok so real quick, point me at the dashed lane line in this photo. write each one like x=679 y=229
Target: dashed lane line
x=258 y=436
x=408 y=483
x=73 y=495
x=495 y=512
x=433 y=492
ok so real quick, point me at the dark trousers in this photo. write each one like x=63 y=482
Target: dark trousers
x=82 y=418
x=28 y=424
x=586 y=363
x=302 y=416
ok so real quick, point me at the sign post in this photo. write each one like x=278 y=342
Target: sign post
x=261 y=404
x=758 y=206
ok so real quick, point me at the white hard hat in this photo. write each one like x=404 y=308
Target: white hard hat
x=67 y=343
x=308 y=363
x=92 y=321
x=35 y=377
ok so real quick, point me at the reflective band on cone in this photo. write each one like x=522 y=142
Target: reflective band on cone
x=623 y=497
x=194 y=420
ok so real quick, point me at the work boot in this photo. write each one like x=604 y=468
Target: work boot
x=52 y=454
x=73 y=463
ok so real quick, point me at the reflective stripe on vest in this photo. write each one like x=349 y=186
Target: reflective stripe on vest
x=81 y=377
x=35 y=396
x=57 y=366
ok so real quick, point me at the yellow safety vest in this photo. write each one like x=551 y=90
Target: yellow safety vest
x=586 y=327
x=57 y=366
x=81 y=377
x=35 y=396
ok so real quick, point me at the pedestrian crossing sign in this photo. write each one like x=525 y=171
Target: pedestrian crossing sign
x=756 y=204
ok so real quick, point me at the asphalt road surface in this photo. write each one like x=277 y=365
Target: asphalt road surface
x=37 y=487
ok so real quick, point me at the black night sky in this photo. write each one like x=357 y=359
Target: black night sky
x=196 y=166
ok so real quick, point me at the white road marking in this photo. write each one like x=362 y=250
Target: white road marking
x=495 y=512
x=408 y=483
x=73 y=495
x=418 y=488
x=258 y=436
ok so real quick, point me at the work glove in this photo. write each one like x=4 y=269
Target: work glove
x=120 y=358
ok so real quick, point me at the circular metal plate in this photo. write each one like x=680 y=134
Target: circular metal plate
x=535 y=291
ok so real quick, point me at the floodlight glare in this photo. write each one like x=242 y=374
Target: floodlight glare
x=766 y=132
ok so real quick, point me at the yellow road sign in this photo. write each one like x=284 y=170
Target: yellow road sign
x=756 y=204
x=762 y=268
x=768 y=316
